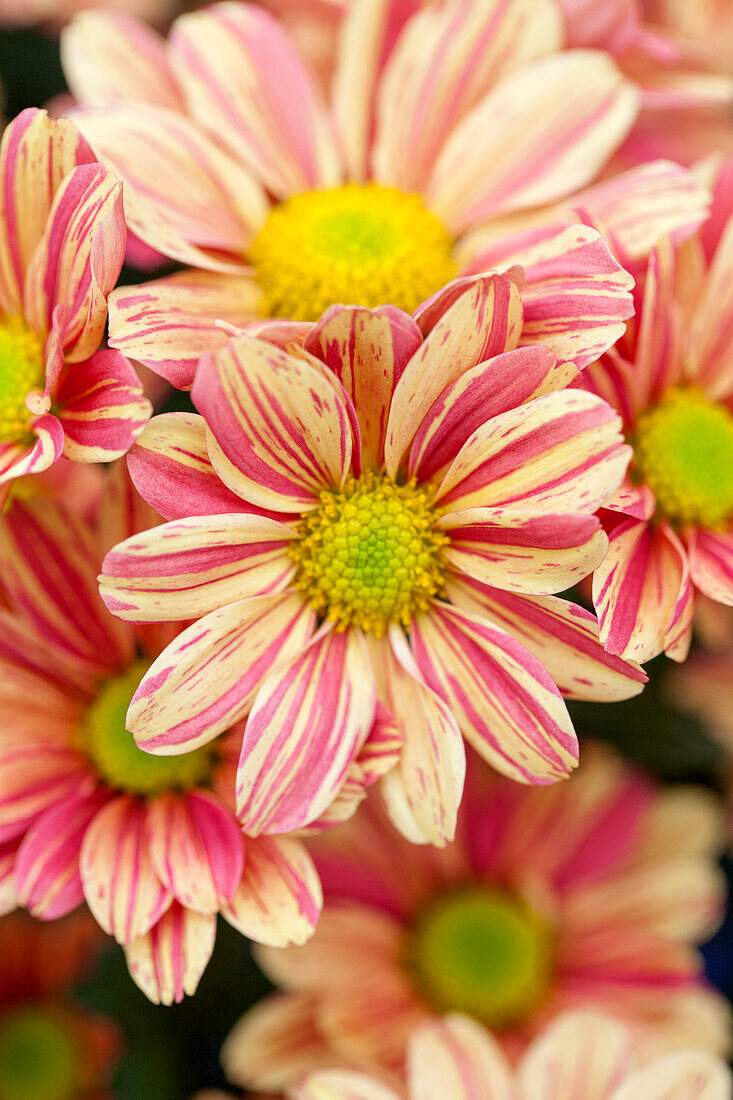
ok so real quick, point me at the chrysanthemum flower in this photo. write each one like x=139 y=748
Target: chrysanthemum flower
x=151 y=844
x=384 y=515
x=671 y=527
x=62 y=241
x=589 y=893
x=49 y=1048
x=583 y=1055
x=443 y=125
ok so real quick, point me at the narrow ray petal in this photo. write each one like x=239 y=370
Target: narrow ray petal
x=279 y=898
x=167 y=962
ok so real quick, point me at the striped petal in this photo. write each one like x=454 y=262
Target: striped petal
x=503 y=699
x=17 y=460
x=112 y=57
x=543 y=132
x=102 y=408
x=184 y=195
x=501 y=383
x=246 y=85
x=561 y=635
x=196 y=849
x=711 y=563
x=35 y=776
x=205 y=680
x=562 y=452
x=122 y=890
x=188 y=567
x=367 y=350
x=171 y=469
x=167 y=962
x=47 y=866
x=580 y=1054
x=169 y=323
x=540 y=552
x=576 y=297
x=341 y=1084
x=279 y=433
x=484 y=320
x=455 y=1057
x=77 y=261
x=642 y=591
x=36 y=154
x=657 y=360
x=685 y=1075
x=446 y=60
x=307 y=725
x=279 y=898
x=422 y=792
x=710 y=338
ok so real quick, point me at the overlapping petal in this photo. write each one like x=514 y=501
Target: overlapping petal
x=102 y=408
x=456 y=1057
x=168 y=961
x=279 y=898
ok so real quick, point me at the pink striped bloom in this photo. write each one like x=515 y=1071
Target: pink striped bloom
x=155 y=851
x=583 y=1055
x=62 y=240
x=446 y=125
x=589 y=894
x=671 y=379
x=370 y=526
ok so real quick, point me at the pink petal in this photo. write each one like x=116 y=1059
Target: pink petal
x=711 y=563
x=196 y=849
x=685 y=1075
x=120 y=885
x=35 y=777
x=102 y=408
x=279 y=898
x=307 y=724
x=457 y=1057
x=167 y=962
x=579 y=1054
x=18 y=460
x=341 y=1084
x=503 y=699
x=8 y=899
x=657 y=361
x=709 y=342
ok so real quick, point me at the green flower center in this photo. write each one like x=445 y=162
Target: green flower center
x=369 y=554
x=116 y=757
x=483 y=952
x=39 y=1059
x=352 y=244
x=683 y=449
x=21 y=370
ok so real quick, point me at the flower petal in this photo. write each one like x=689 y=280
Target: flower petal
x=711 y=563
x=484 y=320
x=562 y=452
x=280 y=432
x=35 y=777
x=540 y=552
x=188 y=567
x=685 y=1075
x=169 y=323
x=206 y=678
x=308 y=722
x=279 y=898
x=17 y=460
x=541 y=133
x=342 y=1084
x=102 y=408
x=247 y=86
x=503 y=699
x=8 y=898
x=196 y=849
x=120 y=885
x=579 y=1054
x=562 y=636
x=455 y=1057
x=710 y=338
x=167 y=962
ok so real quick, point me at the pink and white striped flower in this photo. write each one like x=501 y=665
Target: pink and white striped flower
x=582 y=1055
x=587 y=895
x=62 y=241
x=446 y=125
x=153 y=846
x=670 y=378
x=370 y=526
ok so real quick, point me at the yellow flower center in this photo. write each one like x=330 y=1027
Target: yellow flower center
x=21 y=370
x=683 y=449
x=369 y=554
x=352 y=245
x=39 y=1059
x=483 y=952
x=116 y=757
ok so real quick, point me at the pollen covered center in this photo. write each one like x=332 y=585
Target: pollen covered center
x=369 y=554
x=116 y=757
x=21 y=370
x=354 y=245
x=39 y=1059
x=683 y=449
x=483 y=952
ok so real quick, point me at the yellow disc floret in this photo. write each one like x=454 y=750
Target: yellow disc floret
x=481 y=951
x=116 y=757
x=21 y=370
x=352 y=245
x=683 y=449
x=369 y=554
